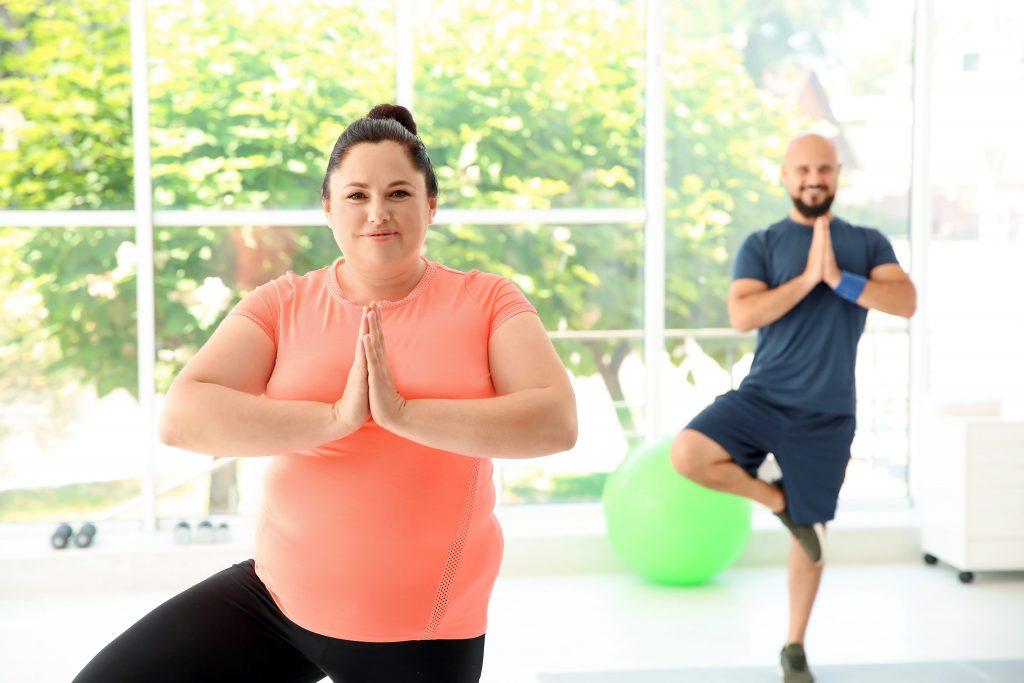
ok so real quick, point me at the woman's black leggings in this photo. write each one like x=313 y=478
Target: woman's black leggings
x=228 y=628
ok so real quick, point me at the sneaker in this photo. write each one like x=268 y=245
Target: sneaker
x=793 y=665
x=810 y=536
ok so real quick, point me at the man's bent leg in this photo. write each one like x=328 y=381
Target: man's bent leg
x=703 y=461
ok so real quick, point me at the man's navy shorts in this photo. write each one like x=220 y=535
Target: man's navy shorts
x=812 y=449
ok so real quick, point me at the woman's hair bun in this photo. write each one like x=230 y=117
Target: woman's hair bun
x=396 y=112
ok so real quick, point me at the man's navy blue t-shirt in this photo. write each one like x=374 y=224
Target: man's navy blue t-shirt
x=806 y=358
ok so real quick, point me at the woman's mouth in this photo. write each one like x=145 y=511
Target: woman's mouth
x=380 y=235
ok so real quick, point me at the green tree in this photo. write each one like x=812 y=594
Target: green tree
x=65 y=105
x=247 y=97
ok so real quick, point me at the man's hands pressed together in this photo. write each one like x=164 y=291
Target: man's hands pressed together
x=821 y=257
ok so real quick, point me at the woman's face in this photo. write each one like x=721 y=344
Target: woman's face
x=378 y=208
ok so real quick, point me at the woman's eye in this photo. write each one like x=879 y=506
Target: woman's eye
x=356 y=195
x=400 y=194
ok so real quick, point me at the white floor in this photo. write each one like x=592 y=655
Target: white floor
x=599 y=622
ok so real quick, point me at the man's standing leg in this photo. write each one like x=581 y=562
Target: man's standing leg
x=814 y=457
x=804 y=579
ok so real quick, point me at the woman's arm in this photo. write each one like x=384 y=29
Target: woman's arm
x=534 y=413
x=214 y=405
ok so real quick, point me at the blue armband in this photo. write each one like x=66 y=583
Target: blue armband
x=851 y=286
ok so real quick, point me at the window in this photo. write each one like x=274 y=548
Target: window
x=534 y=114
x=69 y=426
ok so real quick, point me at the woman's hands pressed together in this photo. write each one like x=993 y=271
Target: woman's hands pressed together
x=386 y=404
x=353 y=408
x=370 y=390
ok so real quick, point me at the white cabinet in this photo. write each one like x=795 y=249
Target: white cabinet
x=970 y=492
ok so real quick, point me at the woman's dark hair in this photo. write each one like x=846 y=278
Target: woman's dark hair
x=384 y=122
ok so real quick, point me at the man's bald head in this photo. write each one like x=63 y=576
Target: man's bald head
x=810 y=147
x=810 y=172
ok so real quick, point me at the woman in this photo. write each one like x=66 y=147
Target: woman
x=382 y=385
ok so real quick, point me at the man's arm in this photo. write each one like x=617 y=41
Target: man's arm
x=752 y=305
x=888 y=287
x=890 y=290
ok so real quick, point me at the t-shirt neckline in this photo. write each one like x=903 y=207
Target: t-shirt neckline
x=792 y=223
x=334 y=287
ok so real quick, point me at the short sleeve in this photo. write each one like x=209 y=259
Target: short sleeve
x=880 y=250
x=751 y=259
x=498 y=297
x=263 y=305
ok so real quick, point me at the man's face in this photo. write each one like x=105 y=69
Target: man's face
x=810 y=173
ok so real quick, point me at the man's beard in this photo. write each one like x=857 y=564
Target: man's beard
x=812 y=211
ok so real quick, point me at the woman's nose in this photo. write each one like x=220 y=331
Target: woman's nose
x=377 y=213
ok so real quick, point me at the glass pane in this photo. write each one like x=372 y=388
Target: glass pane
x=526 y=104
x=739 y=85
x=977 y=150
x=881 y=445
x=65 y=105
x=247 y=98
x=610 y=408
x=587 y=284
x=977 y=174
x=701 y=363
x=580 y=277
x=69 y=427
x=201 y=273
x=208 y=488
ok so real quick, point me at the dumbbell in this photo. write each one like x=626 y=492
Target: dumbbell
x=62 y=536
x=83 y=539
x=65 y=535
x=182 y=533
x=206 y=532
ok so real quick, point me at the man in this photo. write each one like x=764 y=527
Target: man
x=806 y=284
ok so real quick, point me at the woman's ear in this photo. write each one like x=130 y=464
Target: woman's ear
x=327 y=210
x=432 y=206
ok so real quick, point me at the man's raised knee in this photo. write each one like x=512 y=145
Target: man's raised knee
x=685 y=457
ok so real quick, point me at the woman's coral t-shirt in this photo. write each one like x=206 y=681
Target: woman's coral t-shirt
x=374 y=537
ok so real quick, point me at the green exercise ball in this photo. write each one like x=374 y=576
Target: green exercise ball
x=667 y=528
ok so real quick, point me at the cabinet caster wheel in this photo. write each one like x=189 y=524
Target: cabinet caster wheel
x=930 y=559
x=966 y=577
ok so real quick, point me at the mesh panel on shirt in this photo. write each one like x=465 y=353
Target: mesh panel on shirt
x=451 y=565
